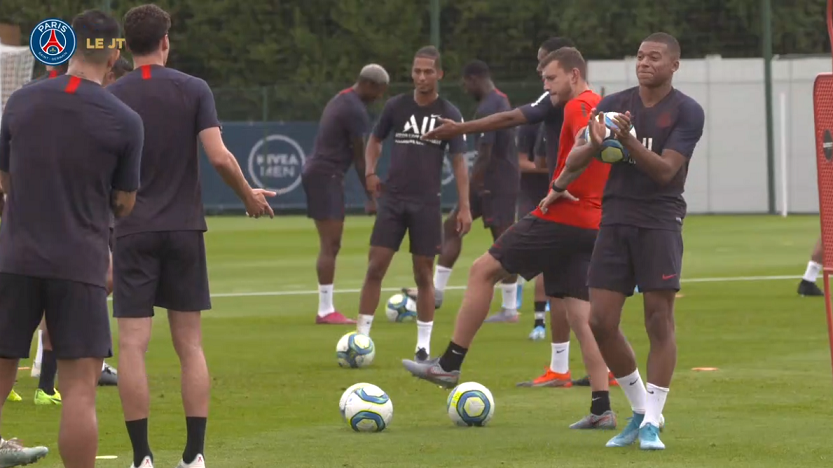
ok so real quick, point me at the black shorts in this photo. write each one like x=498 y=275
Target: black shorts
x=325 y=196
x=625 y=256
x=162 y=269
x=76 y=317
x=496 y=209
x=422 y=221
x=561 y=252
x=112 y=240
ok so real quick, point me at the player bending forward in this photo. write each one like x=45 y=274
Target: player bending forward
x=409 y=200
x=494 y=186
x=640 y=238
x=159 y=258
x=338 y=145
x=556 y=239
x=807 y=285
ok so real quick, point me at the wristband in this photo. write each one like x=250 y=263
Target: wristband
x=368 y=175
x=556 y=188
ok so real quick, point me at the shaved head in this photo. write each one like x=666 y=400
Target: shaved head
x=375 y=74
x=667 y=39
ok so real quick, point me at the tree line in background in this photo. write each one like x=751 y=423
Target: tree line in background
x=266 y=54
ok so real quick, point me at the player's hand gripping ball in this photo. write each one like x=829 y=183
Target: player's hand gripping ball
x=611 y=150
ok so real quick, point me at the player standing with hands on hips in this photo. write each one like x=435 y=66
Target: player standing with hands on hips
x=640 y=237
x=159 y=258
x=409 y=200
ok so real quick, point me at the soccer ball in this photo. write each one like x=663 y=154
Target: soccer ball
x=342 y=402
x=612 y=151
x=470 y=404
x=355 y=350
x=401 y=308
x=368 y=408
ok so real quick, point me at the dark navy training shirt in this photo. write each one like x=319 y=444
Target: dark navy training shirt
x=67 y=144
x=530 y=141
x=175 y=108
x=543 y=110
x=416 y=165
x=343 y=120
x=502 y=173
x=631 y=197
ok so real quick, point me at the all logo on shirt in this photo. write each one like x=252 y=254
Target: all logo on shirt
x=415 y=128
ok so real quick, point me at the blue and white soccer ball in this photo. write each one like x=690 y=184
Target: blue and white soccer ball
x=401 y=308
x=367 y=408
x=612 y=151
x=355 y=350
x=470 y=404
x=342 y=402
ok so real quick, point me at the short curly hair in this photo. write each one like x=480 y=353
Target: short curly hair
x=144 y=27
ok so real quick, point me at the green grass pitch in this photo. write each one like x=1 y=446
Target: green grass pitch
x=276 y=383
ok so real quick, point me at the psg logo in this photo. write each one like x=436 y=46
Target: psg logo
x=52 y=42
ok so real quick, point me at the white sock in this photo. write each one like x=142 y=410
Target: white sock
x=441 y=276
x=325 y=299
x=635 y=391
x=812 y=272
x=560 y=363
x=510 y=295
x=364 y=323
x=540 y=315
x=654 y=404
x=424 y=335
x=39 y=355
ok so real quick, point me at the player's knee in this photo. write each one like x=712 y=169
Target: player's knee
x=600 y=325
x=423 y=279
x=331 y=247
x=375 y=271
x=659 y=324
x=487 y=269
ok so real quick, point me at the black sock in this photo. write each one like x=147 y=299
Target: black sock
x=452 y=360
x=196 y=439
x=600 y=403
x=540 y=308
x=138 y=432
x=48 y=369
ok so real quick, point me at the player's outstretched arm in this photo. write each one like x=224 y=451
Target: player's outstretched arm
x=226 y=165
x=499 y=121
x=461 y=177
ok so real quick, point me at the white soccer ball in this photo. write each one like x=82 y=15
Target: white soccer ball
x=355 y=350
x=612 y=151
x=342 y=402
x=470 y=404
x=401 y=308
x=368 y=409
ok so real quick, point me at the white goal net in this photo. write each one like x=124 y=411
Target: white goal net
x=16 y=66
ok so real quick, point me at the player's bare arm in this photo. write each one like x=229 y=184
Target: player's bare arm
x=461 y=176
x=478 y=171
x=122 y=203
x=499 y=121
x=661 y=168
x=358 y=144
x=372 y=153
x=5 y=183
x=226 y=165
